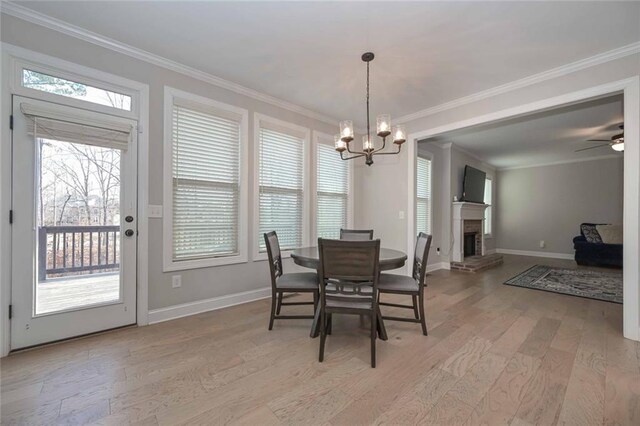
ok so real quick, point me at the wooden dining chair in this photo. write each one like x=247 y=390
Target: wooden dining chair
x=348 y=275
x=281 y=283
x=356 y=234
x=411 y=286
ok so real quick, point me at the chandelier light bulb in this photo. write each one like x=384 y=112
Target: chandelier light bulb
x=367 y=145
x=340 y=145
x=399 y=135
x=346 y=130
x=384 y=125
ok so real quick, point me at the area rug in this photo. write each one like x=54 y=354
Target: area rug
x=596 y=285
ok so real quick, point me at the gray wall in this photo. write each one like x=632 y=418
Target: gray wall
x=549 y=203
x=197 y=284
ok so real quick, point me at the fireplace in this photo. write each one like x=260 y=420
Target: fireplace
x=469 y=251
x=469 y=244
x=472 y=238
x=468 y=222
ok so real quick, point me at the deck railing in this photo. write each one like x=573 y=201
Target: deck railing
x=74 y=250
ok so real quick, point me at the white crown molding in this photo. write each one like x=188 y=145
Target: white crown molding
x=557 y=163
x=601 y=58
x=474 y=156
x=43 y=20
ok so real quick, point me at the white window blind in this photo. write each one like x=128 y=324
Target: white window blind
x=332 y=192
x=487 y=211
x=281 y=181
x=206 y=183
x=423 y=195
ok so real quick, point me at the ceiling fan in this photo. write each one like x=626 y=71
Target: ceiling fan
x=616 y=142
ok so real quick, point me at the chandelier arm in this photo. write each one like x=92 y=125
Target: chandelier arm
x=354 y=152
x=390 y=153
x=352 y=157
x=384 y=142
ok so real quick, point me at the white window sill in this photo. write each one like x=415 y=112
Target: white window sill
x=203 y=263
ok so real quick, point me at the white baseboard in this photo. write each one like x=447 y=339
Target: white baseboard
x=536 y=254
x=192 y=308
x=436 y=266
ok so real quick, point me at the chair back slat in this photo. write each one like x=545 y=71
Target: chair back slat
x=356 y=234
x=420 y=258
x=274 y=254
x=349 y=270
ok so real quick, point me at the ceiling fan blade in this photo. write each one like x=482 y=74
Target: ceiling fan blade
x=591 y=147
x=599 y=140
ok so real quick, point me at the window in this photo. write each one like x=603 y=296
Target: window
x=72 y=89
x=423 y=195
x=204 y=195
x=332 y=192
x=281 y=197
x=487 y=212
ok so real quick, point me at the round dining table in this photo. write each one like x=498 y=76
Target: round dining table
x=308 y=257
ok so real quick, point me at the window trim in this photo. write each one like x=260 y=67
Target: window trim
x=259 y=121
x=170 y=94
x=426 y=156
x=99 y=82
x=327 y=139
x=489 y=211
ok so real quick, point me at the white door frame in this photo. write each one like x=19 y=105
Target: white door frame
x=28 y=327
x=11 y=54
x=630 y=88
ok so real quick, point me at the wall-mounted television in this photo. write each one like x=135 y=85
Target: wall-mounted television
x=473 y=185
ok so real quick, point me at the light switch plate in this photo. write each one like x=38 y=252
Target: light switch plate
x=155 y=211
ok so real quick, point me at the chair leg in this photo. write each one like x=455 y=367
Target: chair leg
x=329 y=323
x=323 y=334
x=273 y=310
x=415 y=306
x=279 y=303
x=374 y=333
x=315 y=300
x=423 y=320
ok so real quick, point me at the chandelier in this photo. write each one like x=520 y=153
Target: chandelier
x=346 y=135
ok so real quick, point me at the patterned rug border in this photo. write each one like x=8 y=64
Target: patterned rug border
x=513 y=284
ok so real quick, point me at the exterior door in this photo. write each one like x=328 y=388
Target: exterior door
x=74 y=222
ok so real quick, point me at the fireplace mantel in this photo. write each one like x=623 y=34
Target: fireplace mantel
x=465 y=211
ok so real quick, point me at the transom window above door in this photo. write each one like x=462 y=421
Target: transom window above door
x=73 y=89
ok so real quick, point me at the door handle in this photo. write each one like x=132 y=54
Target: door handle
x=128 y=219
x=128 y=232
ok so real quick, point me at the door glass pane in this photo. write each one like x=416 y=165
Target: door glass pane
x=78 y=217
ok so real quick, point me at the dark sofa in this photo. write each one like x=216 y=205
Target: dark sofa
x=596 y=254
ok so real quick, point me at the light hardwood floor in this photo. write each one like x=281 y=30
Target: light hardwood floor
x=495 y=354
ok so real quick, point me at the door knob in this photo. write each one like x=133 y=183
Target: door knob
x=128 y=232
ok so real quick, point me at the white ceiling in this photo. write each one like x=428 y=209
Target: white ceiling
x=308 y=53
x=543 y=138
